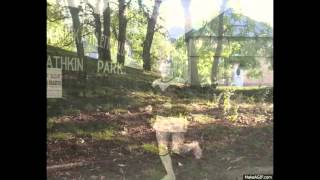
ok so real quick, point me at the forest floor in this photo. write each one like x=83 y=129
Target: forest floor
x=117 y=142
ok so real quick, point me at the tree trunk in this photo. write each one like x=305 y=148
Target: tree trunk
x=193 y=76
x=193 y=61
x=74 y=11
x=97 y=25
x=106 y=55
x=78 y=37
x=98 y=33
x=122 y=32
x=218 y=52
x=149 y=36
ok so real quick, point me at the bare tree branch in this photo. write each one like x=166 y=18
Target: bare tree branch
x=128 y=3
x=142 y=9
x=91 y=8
x=158 y=28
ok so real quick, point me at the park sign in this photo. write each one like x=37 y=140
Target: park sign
x=69 y=61
x=107 y=67
x=73 y=63
x=65 y=62
x=54 y=83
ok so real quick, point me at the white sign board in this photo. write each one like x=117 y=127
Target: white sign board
x=54 y=83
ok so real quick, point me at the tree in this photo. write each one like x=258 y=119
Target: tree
x=97 y=25
x=122 y=31
x=243 y=40
x=74 y=11
x=193 y=76
x=58 y=34
x=217 y=54
x=103 y=38
x=106 y=54
x=77 y=30
x=135 y=34
x=149 y=35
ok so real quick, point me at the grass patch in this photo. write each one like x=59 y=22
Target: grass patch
x=202 y=118
x=119 y=110
x=96 y=130
x=60 y=136
x=150 y=148
x=107 y=134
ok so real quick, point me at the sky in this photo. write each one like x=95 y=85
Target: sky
x=205 y=10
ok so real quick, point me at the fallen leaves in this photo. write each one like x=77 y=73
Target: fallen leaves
x=133 y=129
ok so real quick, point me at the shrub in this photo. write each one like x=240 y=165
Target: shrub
x=232 y=115
x=257 y=94
x=224 y=100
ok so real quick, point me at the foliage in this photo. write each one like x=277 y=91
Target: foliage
x=234 y=50
x=254 y=73
x=229 y=109
x=250 y=39
x=224 y=100
x=58 y=33
x=232 y=115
